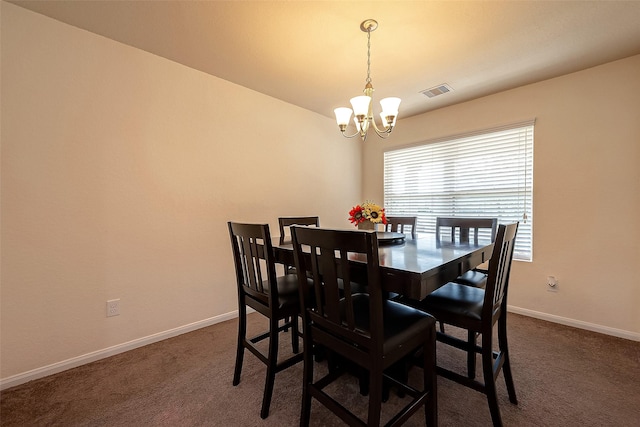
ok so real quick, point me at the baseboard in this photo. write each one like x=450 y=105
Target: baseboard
x=620 y=333
x=110 y=351
x=121 y=348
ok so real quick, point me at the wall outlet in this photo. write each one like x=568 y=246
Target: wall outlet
x=113 y=307
x=552 y=284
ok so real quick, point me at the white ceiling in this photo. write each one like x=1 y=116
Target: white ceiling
x=313 y=53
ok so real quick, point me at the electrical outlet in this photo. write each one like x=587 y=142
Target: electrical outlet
x=113 y=307
x=552 y=284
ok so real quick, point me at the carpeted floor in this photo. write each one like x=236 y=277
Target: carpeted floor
x=563 y=377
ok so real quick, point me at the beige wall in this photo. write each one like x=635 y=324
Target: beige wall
x=586 y=218
x=119 y=172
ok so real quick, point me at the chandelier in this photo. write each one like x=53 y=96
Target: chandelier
x=362 y=108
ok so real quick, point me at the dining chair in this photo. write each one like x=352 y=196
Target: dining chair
x=365 y=329
x=464 y=229
x=477 y=311
x=275 y=297
x=285 y=224
x=398 y=224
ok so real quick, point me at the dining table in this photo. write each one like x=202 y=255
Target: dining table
x=412 y=267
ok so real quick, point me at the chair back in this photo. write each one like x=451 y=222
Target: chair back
x=330 y=307
x=286 y=222
x=465 y=227
x=254 y=263
x=495 y=297
x=398 y=223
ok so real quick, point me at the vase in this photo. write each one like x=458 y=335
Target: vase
x=366 y=225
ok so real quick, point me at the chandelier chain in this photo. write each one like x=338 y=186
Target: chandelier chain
x=368 y=56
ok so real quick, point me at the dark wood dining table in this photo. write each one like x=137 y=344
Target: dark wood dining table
x=414 y=267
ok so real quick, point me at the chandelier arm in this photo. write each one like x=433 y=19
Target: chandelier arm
x=386 y=130
x=350 y=136
x=382 y=134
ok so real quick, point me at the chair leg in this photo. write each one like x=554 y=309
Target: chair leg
x=363 y=382
x=319 y=353
x=471 y=354
x=242 y=334
x=489 y=382
x=375 y=396
x=307 y=379
x=401 y=372
x=431 y=381
x=271 y=367
x=506 y=367
x=294 y=334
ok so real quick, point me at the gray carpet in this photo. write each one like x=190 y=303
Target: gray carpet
x=563 y=377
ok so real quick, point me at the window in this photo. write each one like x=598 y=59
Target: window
x=484 y=174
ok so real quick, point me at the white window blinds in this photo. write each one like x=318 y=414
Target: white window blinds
x=488 y=174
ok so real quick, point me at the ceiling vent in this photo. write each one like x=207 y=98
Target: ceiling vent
x=437 y=90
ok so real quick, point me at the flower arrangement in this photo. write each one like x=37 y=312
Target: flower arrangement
x=367 y=211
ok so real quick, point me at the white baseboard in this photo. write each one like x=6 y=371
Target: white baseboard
x=110 y=351
x=121 y=348
x=620 y=333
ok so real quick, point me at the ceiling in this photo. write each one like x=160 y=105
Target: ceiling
x=314 y=55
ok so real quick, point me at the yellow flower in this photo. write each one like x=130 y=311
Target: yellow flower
x=368 y=211
x=373 y=212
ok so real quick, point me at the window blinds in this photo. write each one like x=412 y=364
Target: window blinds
x=484 y=174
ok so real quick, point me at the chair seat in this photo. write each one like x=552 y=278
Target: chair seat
x=473 y=278
x=454 y=299
x=356 y=288
x=400 y=321
x=287 y=291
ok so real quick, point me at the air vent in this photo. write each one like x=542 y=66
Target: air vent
x=437 y=90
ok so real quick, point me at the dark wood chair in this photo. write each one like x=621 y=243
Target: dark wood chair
x=463 y=228
x=477 y=311
x=467 y=230
x=365 y=329
x=398 y=224
x=285 y=224
x=276 y=298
